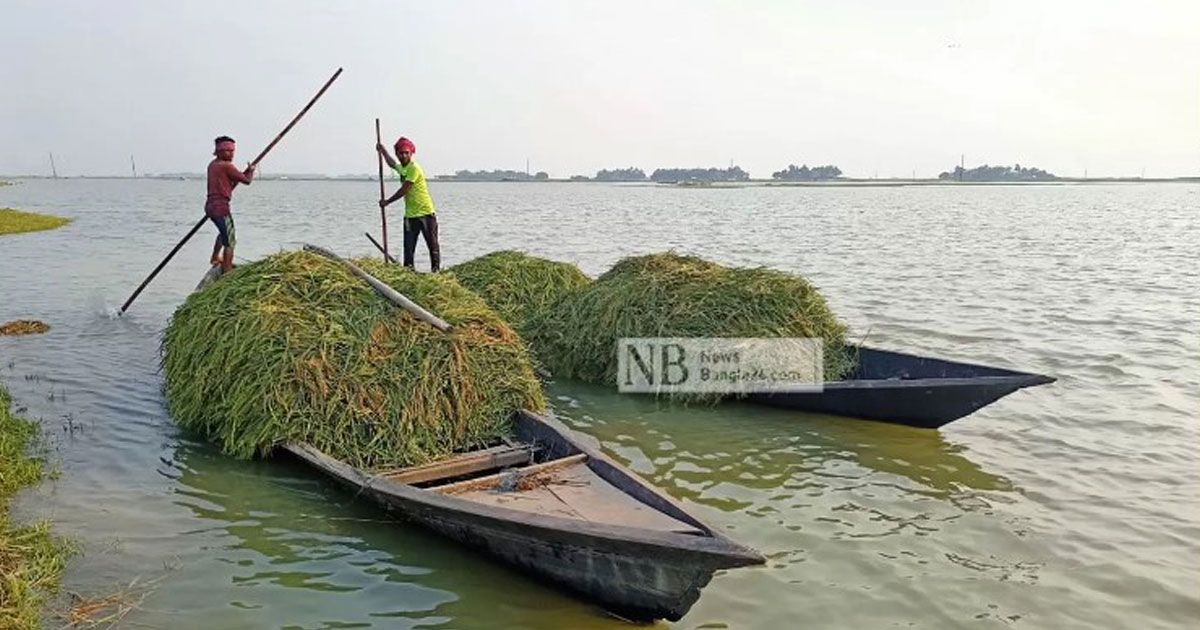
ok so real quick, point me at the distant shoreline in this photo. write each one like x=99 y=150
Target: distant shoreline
x=832 y=183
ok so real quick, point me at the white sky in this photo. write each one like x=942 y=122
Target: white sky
x=873 y=87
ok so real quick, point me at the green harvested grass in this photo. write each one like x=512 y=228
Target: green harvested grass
x=31 y=559
x=518 y=285
x=669 y=295
x=16 y=221
x=294 y=348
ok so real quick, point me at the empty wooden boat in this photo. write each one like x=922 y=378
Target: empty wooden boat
x=560 y=510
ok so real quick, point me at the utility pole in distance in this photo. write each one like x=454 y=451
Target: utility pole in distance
x=53 y=171
x=133 y=165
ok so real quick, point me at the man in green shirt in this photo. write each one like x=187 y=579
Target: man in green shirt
x=420 y=218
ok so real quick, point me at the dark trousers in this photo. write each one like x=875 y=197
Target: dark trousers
x=426 y=225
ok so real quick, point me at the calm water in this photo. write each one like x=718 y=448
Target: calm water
x=1071 y=505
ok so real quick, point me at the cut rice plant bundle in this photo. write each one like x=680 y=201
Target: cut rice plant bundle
x=518 y=285
x=294 y=348
x=672 y=295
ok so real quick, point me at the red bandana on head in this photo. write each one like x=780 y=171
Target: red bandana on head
x=404 y=144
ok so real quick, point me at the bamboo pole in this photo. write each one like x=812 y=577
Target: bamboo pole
x=386 y=255
x=383 y=289
x=196 y=228
x=382 y=195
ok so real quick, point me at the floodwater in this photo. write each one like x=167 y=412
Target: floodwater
x=1073 y=505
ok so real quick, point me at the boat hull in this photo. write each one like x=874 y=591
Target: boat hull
x=908 y=389
x=634 y=573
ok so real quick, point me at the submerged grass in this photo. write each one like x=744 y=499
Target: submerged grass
x=671 y=295
x=518 y=285
x=23 y=327
x=16 y=221
x=293 y=348
x=31 y=559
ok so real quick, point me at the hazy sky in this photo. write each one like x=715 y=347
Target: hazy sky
x=873 y=87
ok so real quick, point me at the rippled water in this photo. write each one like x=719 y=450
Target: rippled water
x=1071 y=505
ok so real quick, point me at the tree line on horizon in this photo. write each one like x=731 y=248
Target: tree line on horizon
x=987 y=173
x=497 y=175
x=712 y=174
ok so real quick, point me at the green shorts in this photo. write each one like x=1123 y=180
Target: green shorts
x=225 y=230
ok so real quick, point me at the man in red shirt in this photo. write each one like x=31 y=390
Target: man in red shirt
x=222 y=177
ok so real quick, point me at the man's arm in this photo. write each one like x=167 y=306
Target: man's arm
x=240 y=177
x=386 y=158
x=399 y=193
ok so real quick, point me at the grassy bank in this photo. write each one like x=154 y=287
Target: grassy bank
x=16 y=221
x=31 y=559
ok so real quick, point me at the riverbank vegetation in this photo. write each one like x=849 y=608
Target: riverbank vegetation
x=294 y=348
x=15 y=221
x=31 y=559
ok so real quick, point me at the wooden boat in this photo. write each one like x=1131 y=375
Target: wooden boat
x=560 y=510
x=552 y=506
x=908 y=389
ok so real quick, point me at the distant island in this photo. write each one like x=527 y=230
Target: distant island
x=680 y=175
x=620 y=175
x=708 y=175
x=987 y=173
x=805 y=174
x=495 y=176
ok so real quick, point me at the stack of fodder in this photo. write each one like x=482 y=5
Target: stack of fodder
x=294 y=348
x=671 y=295
x=520 y=286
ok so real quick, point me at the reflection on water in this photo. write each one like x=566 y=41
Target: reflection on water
x=762 y=447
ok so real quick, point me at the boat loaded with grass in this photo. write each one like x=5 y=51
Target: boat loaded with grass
x=575 y=334
x=433 y=416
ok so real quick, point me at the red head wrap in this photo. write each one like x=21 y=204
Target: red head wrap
x=405 y=144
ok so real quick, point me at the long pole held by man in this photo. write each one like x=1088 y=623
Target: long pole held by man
x=206 y=217
x=382 y=194
x=420 y=217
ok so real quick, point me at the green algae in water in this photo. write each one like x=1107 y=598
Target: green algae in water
x=17 y=222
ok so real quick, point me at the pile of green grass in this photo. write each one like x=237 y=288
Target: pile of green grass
x=16 y=221
x=294 y=348
x=518 y=285
x=670 y=295
x=31 y=559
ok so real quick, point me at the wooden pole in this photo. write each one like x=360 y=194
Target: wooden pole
x=196 y=228
x=382 y=196
x=386 y=255
x=383 y=289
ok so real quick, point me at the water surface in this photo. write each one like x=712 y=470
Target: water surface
x=1071 y=505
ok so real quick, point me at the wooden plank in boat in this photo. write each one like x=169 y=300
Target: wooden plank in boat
x=574 y=491
x=465 y=464
x=527 y=472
